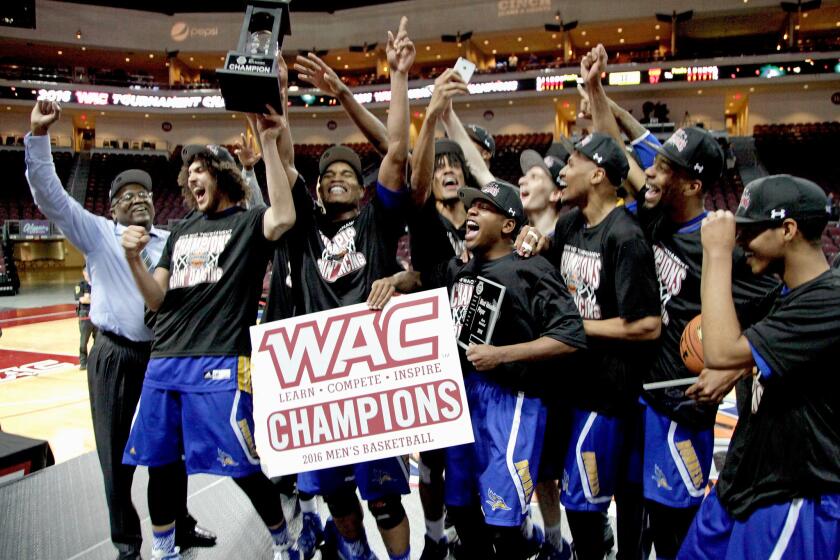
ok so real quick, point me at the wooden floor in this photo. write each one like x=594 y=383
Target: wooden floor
x=53 y=403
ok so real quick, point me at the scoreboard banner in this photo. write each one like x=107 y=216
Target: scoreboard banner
x=350 y=385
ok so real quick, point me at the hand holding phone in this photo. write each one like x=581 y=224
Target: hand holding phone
x=465 y=68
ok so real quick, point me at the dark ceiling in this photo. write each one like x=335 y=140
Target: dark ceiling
x=208 y=6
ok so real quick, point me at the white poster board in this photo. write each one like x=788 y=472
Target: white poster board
x=351 y=385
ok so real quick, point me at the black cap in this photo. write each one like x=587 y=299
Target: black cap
x=340 y=153
x=214 y=151
x=550 y=164
x=696 y=151
x=607 y=154
x=130 y=177
x=447 y=146
x=561 y=150
x=500 y=194
x=481 y=136
x=775 y=198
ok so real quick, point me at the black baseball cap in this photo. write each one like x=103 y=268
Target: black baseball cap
x=130 y=177
x=214 y=151
x=500 y=194
x=552 y=165
x=339 y=152
x=561 y=150
x=606 y=154
x=481 y=136
x=695 y=150
x=447 y=146
x=775 y=198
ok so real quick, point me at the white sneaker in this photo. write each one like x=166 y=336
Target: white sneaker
x=158 y=554
x=288 y=551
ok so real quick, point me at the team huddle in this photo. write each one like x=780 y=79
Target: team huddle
x=605 y=253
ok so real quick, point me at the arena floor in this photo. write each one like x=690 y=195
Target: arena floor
x=60 y=512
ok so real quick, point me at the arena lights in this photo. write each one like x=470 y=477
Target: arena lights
x=555 y=83
x=132 y=100
x=384 y=96
x=631 y=78
x=702 y=73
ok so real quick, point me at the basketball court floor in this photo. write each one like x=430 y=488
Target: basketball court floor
x=60 y=512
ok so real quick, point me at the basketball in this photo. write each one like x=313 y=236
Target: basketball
x=691 y=346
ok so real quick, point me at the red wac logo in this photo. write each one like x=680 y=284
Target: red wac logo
x=379 y=339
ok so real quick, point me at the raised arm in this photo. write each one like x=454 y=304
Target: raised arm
x=447 y=85
x=280 y=215
x=456 y=131
x=724 y=344
x=152 y=286
x=601 y=108
x=79 y=226
x=316 y=72
x=285 y=144
x=400 y=52
x=247 y=153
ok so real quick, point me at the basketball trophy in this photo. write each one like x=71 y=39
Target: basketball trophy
x=249 y=78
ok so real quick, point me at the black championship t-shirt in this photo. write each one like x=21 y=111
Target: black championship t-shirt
x=678 y=255
x=790 y=446
x=334 y=264
x=434 y=239
x=216 y=267
x=609 y=272
x=535 y=304
x=281 y=300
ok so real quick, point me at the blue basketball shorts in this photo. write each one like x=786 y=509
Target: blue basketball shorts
x=801 y=528
x=677 y=461
x=211 y=426
x=591 y=470
x=497 y=469
x=375 y=479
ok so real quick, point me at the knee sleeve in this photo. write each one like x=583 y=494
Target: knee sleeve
x=164 y=493
x=343 y=503
x=264 y=496
x=387 y=511
x=286 y=485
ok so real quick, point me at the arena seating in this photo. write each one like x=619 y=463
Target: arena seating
x=806 y=150
x=15 y=199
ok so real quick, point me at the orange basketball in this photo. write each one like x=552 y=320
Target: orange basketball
x=691 y=345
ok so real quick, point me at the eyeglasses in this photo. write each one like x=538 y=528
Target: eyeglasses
x=128 y=198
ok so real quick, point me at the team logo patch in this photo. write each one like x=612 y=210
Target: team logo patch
x=679 y=140
x=659 y=477
x=225 y=459
x=698 y=168
x=778 y=214
x=598 y=157
x=382 y=477
x=495 y=501
x=217 y=374
x=524 y=472
x=586 y=141
x=591 y=465
x=492 y=190
x=745 y=199
x=340 y=257
x=691 y=462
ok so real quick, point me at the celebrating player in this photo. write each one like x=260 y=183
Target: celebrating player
x=336 y=256
x=779 y=493
x=196 y=396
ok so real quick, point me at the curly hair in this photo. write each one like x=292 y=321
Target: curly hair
x=228 y=179
x=454 y=158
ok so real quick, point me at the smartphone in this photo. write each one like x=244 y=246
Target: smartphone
x=465 y=68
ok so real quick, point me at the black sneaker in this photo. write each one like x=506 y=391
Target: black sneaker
x=435 y=550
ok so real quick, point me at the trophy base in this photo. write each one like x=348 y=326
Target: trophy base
x=248 y=92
